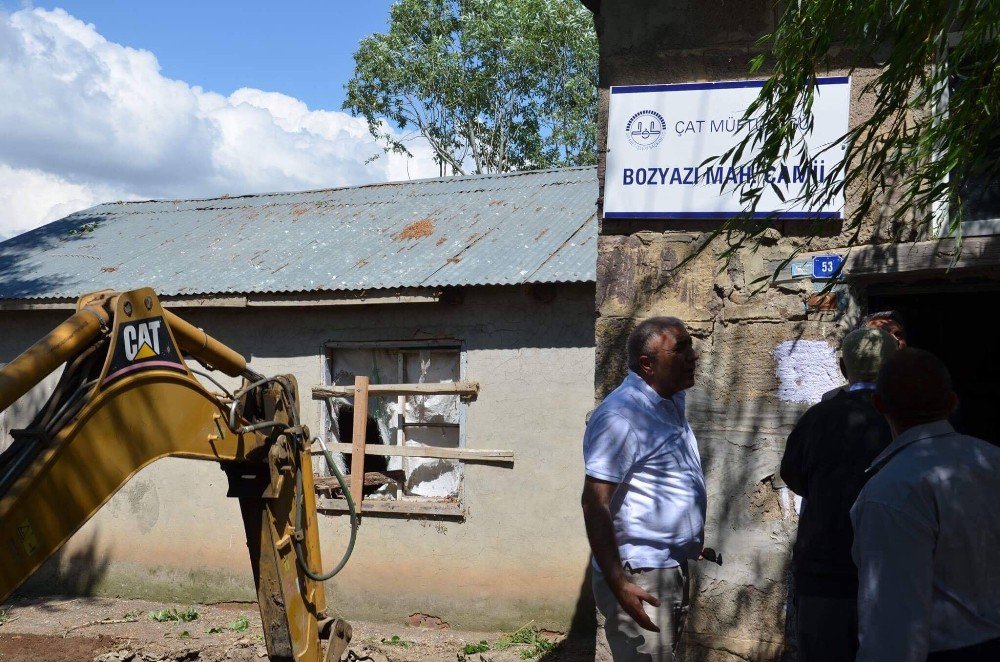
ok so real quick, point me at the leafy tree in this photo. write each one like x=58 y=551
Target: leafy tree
x=934 y=131
x=492 y=85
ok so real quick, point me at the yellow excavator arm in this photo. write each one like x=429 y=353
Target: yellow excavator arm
x=127 y=397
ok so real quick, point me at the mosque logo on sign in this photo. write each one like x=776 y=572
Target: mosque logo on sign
x=645 y=129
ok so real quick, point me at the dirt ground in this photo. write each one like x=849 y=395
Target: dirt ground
x=112 y=630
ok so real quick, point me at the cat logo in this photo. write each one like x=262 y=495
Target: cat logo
x=142 y=340
x=143 y=345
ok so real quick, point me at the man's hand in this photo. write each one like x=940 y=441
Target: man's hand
x=630 y=597
x=600 y=531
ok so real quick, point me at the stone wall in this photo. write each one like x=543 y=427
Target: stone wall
x=764 y=357
x=761 y=358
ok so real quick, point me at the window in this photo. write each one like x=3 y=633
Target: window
x=980 y=197
x=392 y=483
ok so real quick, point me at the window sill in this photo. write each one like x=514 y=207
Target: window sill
x=382 y=507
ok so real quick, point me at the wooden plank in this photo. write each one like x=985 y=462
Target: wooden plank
x=372 y=479
x=402 y=507
x=401 y=416
x=450 y=388
x=468 y=454
x=922 y=257
x=358 y=438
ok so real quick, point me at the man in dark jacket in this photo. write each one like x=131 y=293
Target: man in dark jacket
x=824 y=462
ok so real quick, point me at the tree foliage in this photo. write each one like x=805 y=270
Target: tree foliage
x=492 y=85
x=933 y=135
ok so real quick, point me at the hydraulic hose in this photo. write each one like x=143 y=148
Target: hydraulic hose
x=299 y=499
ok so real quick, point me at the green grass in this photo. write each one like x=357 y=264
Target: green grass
x=472 y=649
x=527 y=636
x=165 y=615
x=241 y=624
x=395 y=640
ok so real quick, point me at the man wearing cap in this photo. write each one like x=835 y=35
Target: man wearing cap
x=926 y=530
x=889 y=321
x=824 y=462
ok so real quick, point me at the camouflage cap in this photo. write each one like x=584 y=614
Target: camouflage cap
x=863 y=352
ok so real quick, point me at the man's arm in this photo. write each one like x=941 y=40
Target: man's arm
x=894 y=552
x=601 y=534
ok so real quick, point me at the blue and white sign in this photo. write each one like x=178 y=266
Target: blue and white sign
x=825 y=267
x=659 y=137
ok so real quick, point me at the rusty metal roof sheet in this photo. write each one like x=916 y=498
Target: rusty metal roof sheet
x=530 y=227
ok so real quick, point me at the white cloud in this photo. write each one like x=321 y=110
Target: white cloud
x=29 y=198
x=84 y=120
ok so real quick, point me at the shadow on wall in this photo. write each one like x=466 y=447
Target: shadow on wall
x=76 y=572
x=579 y=644
x=494 y=317
x=738 y=609
x=19 y=414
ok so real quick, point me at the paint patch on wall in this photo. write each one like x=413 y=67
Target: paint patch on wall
x=806 y=370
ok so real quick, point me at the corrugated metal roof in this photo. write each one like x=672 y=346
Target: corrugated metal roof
x=530 y=227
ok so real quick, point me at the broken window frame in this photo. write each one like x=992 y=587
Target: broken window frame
x=410 y=505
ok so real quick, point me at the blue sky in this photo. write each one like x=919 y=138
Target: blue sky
x=118 y=100
x=302 y=48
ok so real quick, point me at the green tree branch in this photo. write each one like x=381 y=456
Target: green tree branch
x=492 y=86
x=932 y=139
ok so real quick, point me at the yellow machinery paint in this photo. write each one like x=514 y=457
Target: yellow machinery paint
x=127 y=398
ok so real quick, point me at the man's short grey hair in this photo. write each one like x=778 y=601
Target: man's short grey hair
x=864 y=351
x=642 y=336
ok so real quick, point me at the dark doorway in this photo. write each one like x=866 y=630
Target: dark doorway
x=954 y=324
